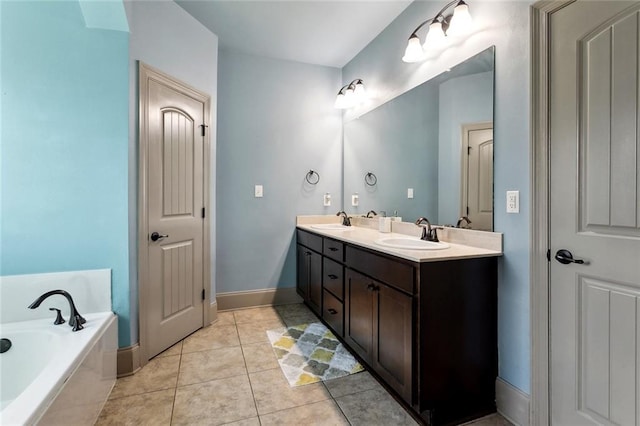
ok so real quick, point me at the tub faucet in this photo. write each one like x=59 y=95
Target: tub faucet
x=75 y=320
x=346 y=220
x=371 y=213
x=428 y=233
x=463 y=219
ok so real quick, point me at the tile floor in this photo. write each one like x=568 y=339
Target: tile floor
x=227 y=374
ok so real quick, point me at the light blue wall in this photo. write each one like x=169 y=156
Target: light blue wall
x=64 y=146
x=505 y=25
x=276 y=121
x=166 y=37
x=463 y=100
x=398 y=142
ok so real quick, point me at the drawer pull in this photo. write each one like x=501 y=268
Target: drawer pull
x=333 y=248
x=333 y=277
x=373 y=287
x=332 y=311
x=307 y=253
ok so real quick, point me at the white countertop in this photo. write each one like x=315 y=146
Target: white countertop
x=365 y=237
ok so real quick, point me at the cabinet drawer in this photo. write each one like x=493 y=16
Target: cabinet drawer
x=392 y=272
x=332 y=313
x=310 y=240
x=334 y=249
x=333 y=277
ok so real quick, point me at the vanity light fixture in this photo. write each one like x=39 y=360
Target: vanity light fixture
x=440 y=27
x=351 y=94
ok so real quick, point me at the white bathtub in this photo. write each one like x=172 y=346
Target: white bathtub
x=52 y=375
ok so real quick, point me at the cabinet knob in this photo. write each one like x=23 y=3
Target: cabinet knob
x=333 y=277
x=307 y=253
x=333 y=248
x=332 y=311
x=371 y=287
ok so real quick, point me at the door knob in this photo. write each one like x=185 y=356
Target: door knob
x=565 y=257
x=155 y=236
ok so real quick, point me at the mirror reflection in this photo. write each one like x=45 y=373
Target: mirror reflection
x=427 y=152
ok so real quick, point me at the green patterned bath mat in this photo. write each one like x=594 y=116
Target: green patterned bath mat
x=309 y=353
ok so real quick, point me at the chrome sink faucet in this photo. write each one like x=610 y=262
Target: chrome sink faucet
x=76 y=320
x=428 y=233
x=346 y=220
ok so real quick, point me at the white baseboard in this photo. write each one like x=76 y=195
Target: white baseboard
x=213 y=312
x=512 y=403
x=254 y=298
x=129 y=360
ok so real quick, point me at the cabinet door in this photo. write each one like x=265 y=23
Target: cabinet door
x=358 y=331
x=315 y=282
x=302 y=284
x=393 y=338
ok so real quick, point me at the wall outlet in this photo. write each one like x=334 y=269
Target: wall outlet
x=327 y=199
x=258 y=191
x=513 y=201
x=409 y=192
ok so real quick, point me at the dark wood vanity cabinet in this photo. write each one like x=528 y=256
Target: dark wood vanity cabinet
x=427 y=329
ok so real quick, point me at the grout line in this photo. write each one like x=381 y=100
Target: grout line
x=175 y=389
x=246 y=369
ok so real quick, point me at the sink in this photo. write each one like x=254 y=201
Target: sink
x=410 y=243
x=331 y=227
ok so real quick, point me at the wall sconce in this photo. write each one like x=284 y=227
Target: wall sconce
x=456 y=24
x=351 y=94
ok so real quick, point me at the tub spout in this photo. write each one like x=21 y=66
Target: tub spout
x=76 y=320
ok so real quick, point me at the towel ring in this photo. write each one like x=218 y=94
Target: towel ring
x=370 y=179
x=310 y=177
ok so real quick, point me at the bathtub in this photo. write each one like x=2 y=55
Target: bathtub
x=52 y=375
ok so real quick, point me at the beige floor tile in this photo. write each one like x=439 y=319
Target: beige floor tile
x=293 y=310
x=256 y=315
x=352 y=383
x=256 y=332
x=214 y=403
x=203 y=366
x=213 y=337
x=153 y=408
x=225 y=318
x=160 y=373
x=374 y=406
x=259 y=356
x=254 y=421
x=300 y=319
x=273 y=393
x=490 y=420
x=173 y=350
x=324 y=413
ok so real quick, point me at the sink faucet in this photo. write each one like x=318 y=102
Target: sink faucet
x=428 y=233
x=371 y=213
x=76 y=320
x=463 y=219
x=346 y=220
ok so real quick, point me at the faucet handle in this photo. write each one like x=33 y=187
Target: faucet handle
x=59 y=320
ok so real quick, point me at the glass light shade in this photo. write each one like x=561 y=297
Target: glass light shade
x=414 y=51
x=436 y=38
x=359 y=92
x=460 y=21
x=349 y=97
x=340 y=101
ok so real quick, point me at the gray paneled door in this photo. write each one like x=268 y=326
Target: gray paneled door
x=595 y=214
x=175 y=200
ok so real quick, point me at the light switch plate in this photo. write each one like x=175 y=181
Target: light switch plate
x=327 y=199
x=409 y=192
x=258 y=191
x=513 y=201
x=355 y=200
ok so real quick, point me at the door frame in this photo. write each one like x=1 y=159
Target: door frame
x=539 y=274
x=464 y=163
x=145 y=73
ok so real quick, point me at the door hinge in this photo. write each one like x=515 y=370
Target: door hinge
x=548 y=255
x=203 y=294
x=203 y=212
x=203 y=127
x=467 y=210
x=468 y=150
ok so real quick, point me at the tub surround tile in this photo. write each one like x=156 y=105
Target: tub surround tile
x=203 y=366
x=256 y=332
x=374 y=406
x=159 y=373
x=272 y=392
x=213 y=337
x=259 y=357
x=214 y=403
x=317 y=414
x=351 y=384
x=152 y=408
x=256 y=315
x=173 y=350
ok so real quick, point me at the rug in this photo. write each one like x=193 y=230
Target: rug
x=309 y=353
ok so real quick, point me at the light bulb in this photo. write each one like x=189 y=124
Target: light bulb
x=349 y=98
x=359 y=92
x=414 y=51
x=340 y=101
x=435 y=37
x=461 y=21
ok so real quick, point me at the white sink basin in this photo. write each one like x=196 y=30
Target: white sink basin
x=410 y=243
x=331 y=227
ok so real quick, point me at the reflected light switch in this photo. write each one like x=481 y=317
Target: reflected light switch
x=258 y=191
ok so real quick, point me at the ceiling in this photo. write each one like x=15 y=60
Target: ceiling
x=326 y=32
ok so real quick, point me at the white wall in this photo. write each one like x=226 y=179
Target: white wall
x=166 y=37
x=505 y=25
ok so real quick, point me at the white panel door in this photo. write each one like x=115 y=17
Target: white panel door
x=479 y=199
x=595 y=214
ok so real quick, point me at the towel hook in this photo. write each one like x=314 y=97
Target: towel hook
x=310 y=177
x=370 y=179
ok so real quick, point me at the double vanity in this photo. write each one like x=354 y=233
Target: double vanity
x=423 y=317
